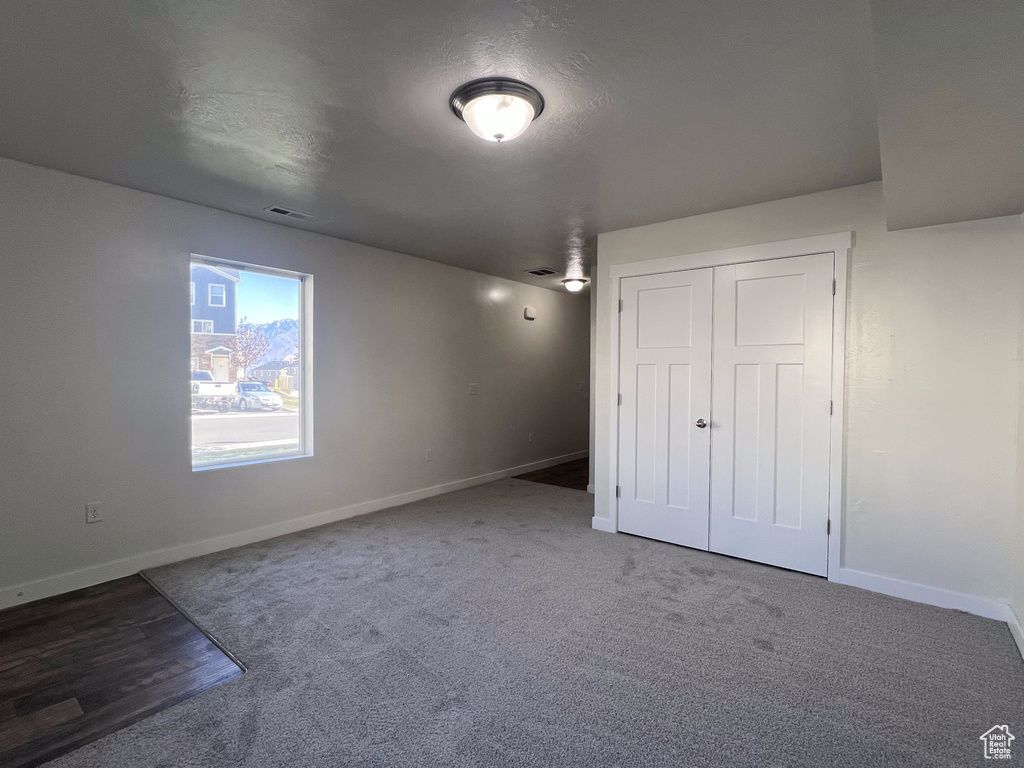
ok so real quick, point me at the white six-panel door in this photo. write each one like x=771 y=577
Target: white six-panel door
x=771 y=418
x=754 y=482
x=665 y=380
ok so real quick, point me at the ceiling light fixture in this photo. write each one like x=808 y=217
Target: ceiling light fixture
x=574 y=284
x=497 y=108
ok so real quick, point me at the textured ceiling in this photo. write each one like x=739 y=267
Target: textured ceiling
x=655 y=110
x=951 y=109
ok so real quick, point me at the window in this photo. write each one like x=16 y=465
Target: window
x=259 y=366
x=218 y=295
x=195 y=363
x=193 y=291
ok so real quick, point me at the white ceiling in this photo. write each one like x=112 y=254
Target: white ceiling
x=655 y=110
x=951 y=109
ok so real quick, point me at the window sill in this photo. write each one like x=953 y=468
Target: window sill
x=248 y=462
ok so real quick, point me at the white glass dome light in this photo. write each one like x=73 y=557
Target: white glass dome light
x=498 y=108
x=574 y=284
x=498 y=116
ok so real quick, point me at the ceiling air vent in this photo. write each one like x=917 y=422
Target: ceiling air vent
x=540 y=272
x=297 y=215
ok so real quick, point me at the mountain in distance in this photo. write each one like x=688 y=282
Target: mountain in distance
x=283 y=336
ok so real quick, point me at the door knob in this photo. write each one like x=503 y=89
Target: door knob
x=701 y=423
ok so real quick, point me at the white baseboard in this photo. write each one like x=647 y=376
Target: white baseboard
x=602 y=524
x=590 y=489
x=919 y=593
x=116 y=569
x=1016 y=629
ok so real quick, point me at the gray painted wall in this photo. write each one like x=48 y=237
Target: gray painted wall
x=94 y=310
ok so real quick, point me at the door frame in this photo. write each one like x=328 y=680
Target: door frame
x=839 y=245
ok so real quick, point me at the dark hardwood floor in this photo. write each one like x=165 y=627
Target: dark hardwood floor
x=78 y=666
x=572 y=474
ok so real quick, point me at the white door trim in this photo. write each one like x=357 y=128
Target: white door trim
x=838 y=244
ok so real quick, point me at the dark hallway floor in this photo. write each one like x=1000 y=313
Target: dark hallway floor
x=572 y=474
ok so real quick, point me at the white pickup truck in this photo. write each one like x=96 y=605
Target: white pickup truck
x=207 y=393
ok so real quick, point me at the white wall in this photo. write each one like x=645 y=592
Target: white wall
x=593 y=376
x=1017 y=554
x=94 y=310
x=932 y=378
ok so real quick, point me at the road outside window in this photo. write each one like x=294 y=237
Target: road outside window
x=248 y=381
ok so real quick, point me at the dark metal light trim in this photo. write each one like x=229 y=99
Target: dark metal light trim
x=466 y=92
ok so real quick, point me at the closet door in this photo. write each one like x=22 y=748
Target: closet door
x=771 y=419
x=665 y=383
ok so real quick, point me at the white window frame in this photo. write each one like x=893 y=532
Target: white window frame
x=305 y=448
x=192 y=287
x=223 y=295
x=208 y=333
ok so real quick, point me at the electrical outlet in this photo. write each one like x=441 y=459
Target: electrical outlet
x=93 y=513
x=472 y=389
x=530 y=437
x=430 y=456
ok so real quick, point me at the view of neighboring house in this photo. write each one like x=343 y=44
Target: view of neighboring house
x=214 y=319
x=284 y=373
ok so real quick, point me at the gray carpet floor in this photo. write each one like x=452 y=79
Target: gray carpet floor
x=493 y=627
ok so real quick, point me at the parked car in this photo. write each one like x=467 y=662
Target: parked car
x=208 y=393
x=255 y=395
